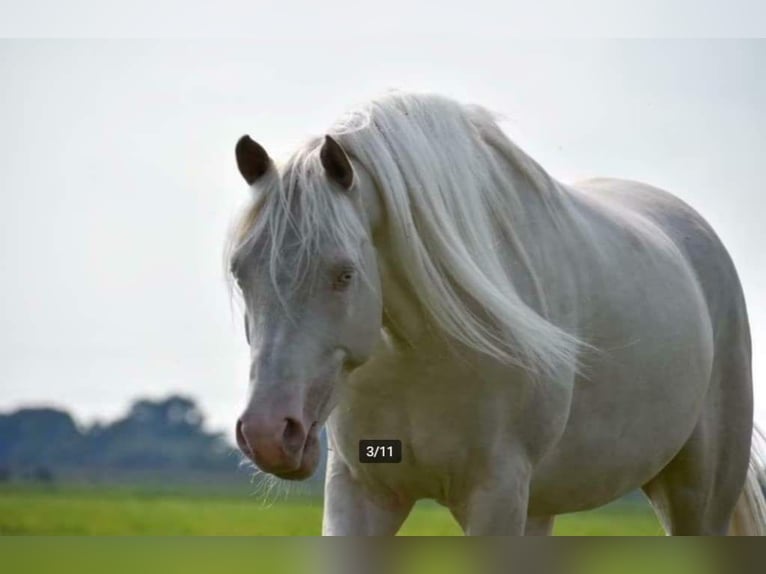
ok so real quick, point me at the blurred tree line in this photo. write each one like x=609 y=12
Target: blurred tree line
x=165 y=435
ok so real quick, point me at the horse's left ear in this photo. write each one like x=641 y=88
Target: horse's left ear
x=336 y=163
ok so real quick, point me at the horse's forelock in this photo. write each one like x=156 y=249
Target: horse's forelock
x=295 y=212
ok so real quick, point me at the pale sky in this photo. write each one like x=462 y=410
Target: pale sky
x=118 y=181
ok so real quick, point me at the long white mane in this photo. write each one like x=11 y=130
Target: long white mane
x=448 y=201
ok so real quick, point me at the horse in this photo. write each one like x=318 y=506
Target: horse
x=536 y=348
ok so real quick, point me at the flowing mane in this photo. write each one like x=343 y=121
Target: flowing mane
x=438 y=167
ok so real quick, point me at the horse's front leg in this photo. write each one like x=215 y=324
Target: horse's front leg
x=497 y=507
x=349 y=511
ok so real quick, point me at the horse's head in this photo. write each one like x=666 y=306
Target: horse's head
x=307 y=270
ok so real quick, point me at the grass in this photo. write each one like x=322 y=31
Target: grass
x=68 y=511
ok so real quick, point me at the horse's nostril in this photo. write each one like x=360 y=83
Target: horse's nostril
x=294 y=435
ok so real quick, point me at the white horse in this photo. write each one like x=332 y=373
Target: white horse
x=537 y=348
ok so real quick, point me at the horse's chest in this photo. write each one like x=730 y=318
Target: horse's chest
x=440 y=448
x=452 y=434
x=434 y=471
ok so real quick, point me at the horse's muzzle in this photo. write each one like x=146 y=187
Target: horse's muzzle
x=281 y=446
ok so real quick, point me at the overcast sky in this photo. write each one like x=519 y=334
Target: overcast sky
x=118 y=181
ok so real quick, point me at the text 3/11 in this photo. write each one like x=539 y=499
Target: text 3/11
x=380 y=451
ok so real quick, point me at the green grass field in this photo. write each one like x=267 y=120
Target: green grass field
x=68 y=511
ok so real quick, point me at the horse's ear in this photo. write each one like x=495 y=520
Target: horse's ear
x=336 y=163
x=252 y=159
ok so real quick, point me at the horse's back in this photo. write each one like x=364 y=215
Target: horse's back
x=691 y=234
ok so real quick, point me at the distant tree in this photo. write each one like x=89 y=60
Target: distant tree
x=38 y=436
x=160 y=434
x=174 y=414
x=165 y=434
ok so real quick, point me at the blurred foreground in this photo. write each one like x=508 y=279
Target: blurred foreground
x=376 y=556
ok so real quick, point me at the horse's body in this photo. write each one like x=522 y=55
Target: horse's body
x=658 y=396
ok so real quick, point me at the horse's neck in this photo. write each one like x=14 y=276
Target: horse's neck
x=537 y=229
x=404 y=317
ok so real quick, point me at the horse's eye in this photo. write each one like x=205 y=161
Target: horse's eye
x=247 y=329
x=343 y=279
